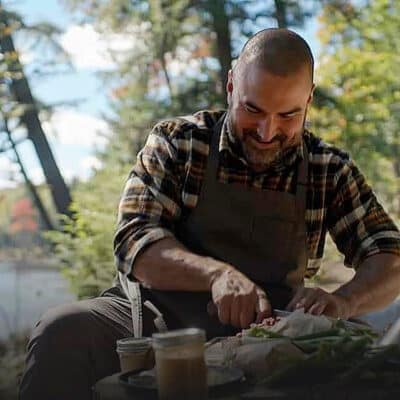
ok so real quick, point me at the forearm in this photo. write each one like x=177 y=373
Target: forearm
x=375 y=284
x=168 y=265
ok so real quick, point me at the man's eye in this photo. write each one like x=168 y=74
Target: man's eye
x=288 y=116
x=250 y=109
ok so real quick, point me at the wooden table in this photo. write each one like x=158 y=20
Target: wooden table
x=109 y=388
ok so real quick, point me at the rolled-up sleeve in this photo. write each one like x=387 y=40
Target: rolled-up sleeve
x=150 y=203
x=357 y=222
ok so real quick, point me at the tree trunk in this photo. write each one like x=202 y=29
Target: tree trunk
x=166 y=75
x=396 y=166
x=22 y=93
x=220 y=24
x=280 y=13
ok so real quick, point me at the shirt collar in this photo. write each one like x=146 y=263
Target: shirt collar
x=230 y=144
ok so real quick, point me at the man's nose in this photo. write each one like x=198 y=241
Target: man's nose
x=267 y=129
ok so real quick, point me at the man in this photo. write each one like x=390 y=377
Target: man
x=222 y=217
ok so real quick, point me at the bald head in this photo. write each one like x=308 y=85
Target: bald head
x=279 y=51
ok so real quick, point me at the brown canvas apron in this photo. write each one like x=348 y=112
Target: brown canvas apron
x=261 y=233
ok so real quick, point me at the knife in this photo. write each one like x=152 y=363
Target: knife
x=213 y=311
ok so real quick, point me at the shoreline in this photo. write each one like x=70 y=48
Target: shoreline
x=26 y=264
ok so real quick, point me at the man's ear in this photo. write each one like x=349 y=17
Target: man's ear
x=310 y=98
x=229 y=86
x=229 y=82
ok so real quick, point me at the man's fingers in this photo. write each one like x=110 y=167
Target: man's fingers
x=317 y=301
x=246 y=318
x=224 y=311
x=263 y=308
x=247 y=314
x=296 y=300
x=237 y=298
x=318 y=307
x=309 y=299
x=306 y=298
x=235 y=312
x=314 y=296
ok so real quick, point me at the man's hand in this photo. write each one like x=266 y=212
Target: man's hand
x=316 y=301
x=238 y=299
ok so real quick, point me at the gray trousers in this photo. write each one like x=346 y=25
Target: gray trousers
x=73 y=345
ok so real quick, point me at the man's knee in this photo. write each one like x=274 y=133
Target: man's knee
x=62 y=327
x=58 y=348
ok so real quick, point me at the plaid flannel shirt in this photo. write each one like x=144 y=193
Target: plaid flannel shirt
x=166 y=181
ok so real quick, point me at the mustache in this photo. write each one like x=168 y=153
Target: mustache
x=279 y=137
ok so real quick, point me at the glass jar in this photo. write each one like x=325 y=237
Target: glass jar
x=180 y=364
x=135 y=353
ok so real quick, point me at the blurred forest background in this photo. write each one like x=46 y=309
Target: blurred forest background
x=177 y=64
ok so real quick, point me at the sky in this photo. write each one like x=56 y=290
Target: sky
x=74 y=133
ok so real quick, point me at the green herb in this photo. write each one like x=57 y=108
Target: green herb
x=263 y=333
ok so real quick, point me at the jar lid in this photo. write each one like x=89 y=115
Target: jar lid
x=178 y=337
x=134 y=345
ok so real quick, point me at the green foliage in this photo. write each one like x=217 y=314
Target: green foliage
x=9 y=243
x=360 y=67
x=12 y=359
x=84 y=249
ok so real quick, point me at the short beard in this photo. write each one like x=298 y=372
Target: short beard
x=261 y=160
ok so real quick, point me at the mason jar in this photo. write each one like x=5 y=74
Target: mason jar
x=180 y=365
x=135 y=353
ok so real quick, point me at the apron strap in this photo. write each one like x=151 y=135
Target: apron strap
x=132 y=290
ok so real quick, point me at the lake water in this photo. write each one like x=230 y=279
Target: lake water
x=25 y=293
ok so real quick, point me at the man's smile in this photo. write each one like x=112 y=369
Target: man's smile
x=263 y=145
